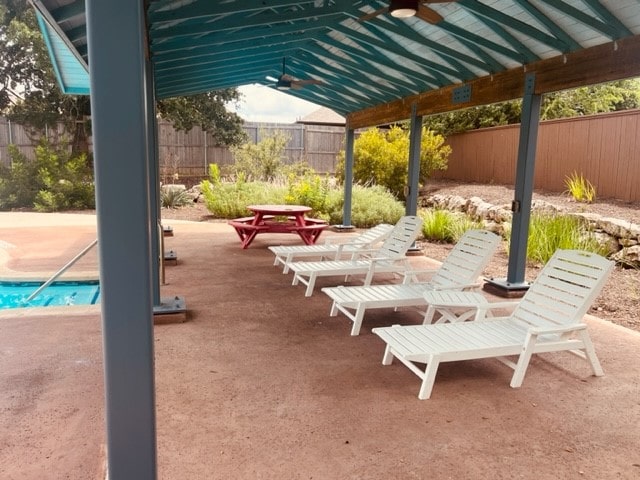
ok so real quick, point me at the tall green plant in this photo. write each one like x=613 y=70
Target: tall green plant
x=581 y=189
x=381 y=157
x=547 y=233
x=445 y=226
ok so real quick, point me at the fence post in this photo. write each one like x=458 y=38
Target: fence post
x=206 y=162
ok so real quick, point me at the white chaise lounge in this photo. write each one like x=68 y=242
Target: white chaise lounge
x=391 y=257
x=460 y=270
x=548 y=318
x=362 y=244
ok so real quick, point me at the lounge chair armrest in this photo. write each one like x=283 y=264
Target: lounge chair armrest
x=494 y=305
x=559 y=329
x=464 y=286
x=411 y=276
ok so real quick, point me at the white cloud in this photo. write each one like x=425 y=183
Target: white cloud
x=264 y=104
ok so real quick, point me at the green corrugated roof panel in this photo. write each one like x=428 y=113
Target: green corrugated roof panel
x=72 y=75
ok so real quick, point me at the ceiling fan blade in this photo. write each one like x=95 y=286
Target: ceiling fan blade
x=307 y=82
x=429 y=15
x=286 y=77
x=371 y=15
x=271 y=79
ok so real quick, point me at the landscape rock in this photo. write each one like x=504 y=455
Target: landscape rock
x=617 y=236
x=628 y=256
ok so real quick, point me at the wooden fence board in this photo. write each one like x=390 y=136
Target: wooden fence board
x=604 y=149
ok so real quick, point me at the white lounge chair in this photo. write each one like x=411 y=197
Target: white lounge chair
x=460 y=270
x=389 y=258
x=359 y=245
x=548 y=318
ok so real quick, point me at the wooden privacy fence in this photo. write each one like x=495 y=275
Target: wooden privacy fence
x=604 y=149
x=186 y=156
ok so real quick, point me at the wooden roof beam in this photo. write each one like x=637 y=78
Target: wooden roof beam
x=603 y=63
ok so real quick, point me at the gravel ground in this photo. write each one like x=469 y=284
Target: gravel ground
x=620 y=299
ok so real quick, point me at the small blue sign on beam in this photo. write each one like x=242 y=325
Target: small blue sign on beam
x=461 y=94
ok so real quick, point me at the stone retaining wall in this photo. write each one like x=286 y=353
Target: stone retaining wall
x=621 y=237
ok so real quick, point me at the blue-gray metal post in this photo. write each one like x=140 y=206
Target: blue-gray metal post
x=524 y=185
x=116 y=42
x=348 y=177
x=154 y=183
x=415 y=141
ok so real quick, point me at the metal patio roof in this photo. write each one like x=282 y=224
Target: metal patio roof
x=361 y=63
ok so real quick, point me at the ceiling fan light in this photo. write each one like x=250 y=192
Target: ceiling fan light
x=403 y=8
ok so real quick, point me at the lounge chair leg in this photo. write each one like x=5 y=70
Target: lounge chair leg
x=286 y=264
x=428 y=316
x=590 y=352
x=523 y=360
x=334 y=309
x=296 y=279
x=357 y=321
x=428 y=379
x=310 y=285
x=388 y=356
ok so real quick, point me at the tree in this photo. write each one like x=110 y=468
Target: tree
x=607 y=97
x=208 y=111
x=30 y=96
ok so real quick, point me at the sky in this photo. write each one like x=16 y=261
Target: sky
x=264 y=104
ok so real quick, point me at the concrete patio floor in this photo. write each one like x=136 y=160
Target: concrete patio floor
x=261 y=383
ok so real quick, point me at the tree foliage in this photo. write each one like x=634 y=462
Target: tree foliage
x=30 y=96
x=262 y=161
x=607 y=97
x=206 y=110
x=381 y=157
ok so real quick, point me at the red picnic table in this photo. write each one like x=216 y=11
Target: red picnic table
x=278 y=219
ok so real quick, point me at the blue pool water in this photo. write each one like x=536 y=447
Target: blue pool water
x=13 y=295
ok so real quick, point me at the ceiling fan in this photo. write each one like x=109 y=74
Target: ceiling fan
x=409 y=8
x=285 y=81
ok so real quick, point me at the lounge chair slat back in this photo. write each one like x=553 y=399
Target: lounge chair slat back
x=285 y=254
x=564 y=289
x=389 y=258
x=401 y=238
x=467 y=259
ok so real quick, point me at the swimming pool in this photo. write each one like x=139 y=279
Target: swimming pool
x=14 y=294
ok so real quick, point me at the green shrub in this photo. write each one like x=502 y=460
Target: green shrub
x=230 y=199
x=581 y=189
x=19 y=184
x=548 y=232
x=262 y=161
x=310 y=190
x=171 y=197
x=381 y=157
x=370 y=206
x=53 y=181
x=445 y=226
